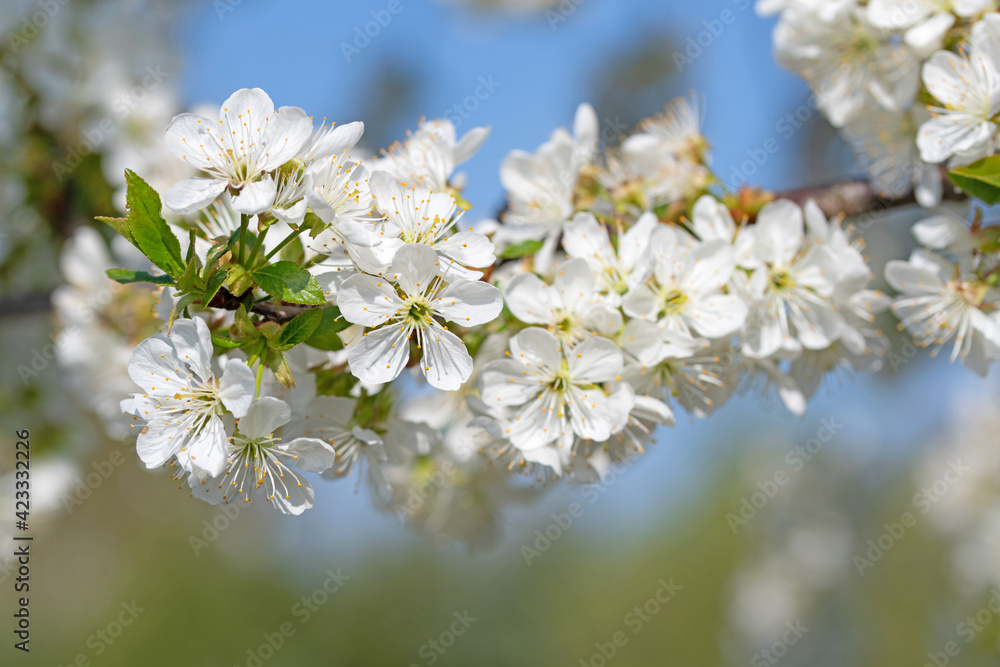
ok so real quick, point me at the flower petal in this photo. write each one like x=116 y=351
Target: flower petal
x=193 y=194
x=380 y=355
x=264 y=417
x=469 y=303
x=446 y=363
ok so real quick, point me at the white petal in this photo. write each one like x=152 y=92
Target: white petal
x=538 y=347
x=468 y=249
x=367 y=300
x=208 y=449
x=584 y=237
x=237 y=387
x=414 y=267
x=779 y=232
x=713 y=265
x=298 y=497
x=712 y=220
x=575 y=285
x=193 y=344
x=504 y=383
x=193 y=138
x=589 y=413
x=927 y=36
x=469 y=303
x=640 y=302
x=255 y=197
x=193 y=194
x=910 y=279
x=380 y=355
x=264 y=417
x=311 y=454
x=155 y=367
x=335 y=140
x=446 y=363
x=717 y=315
x=594 y=360
x=469 y=144
x=527 y=296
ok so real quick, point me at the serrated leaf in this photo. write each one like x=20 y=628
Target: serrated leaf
x=325 y=337
x=980 y=179
x=243 y=329
x=126 y=276
x=521 y=249
x=120 y=225
x=151 y=232
x=221 y=248
x=225 y=341
x=279 y=366
x=179 y=307
x=290 y=282
x=299 y=328
x=213 y=286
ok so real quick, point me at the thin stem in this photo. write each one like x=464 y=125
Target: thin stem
x=260 y=375
x=285 y=241
x=258 y=244
x=243 y=236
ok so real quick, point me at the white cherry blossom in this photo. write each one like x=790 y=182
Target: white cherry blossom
x=183 y=400
x=257 y=460
x=381 y=353
x=238 y=151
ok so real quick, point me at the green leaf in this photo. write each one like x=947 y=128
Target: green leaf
x=299 y=328
x=521 y=249
x=980 y=179
x=325 y=336
x=126 y=276
x=225 y=341
x=290 y=282
x=150 y=231
x=120 y=225
x=179 y=307
x=221 y=248
x=279 y=366
x=212 y=287
x=243 y=329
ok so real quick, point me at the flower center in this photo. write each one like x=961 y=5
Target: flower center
x=418 y=312
x=672 y=301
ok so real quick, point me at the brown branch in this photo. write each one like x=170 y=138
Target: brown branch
x=857 y=198
x=279 y=311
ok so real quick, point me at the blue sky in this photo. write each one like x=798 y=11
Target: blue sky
x=544 y=69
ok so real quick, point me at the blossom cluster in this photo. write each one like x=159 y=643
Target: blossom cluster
x=915 y=85
x=911 y=83
x=383 y=336
x=645 y=294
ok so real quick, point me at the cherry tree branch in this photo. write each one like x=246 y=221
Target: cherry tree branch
x=857 y=198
